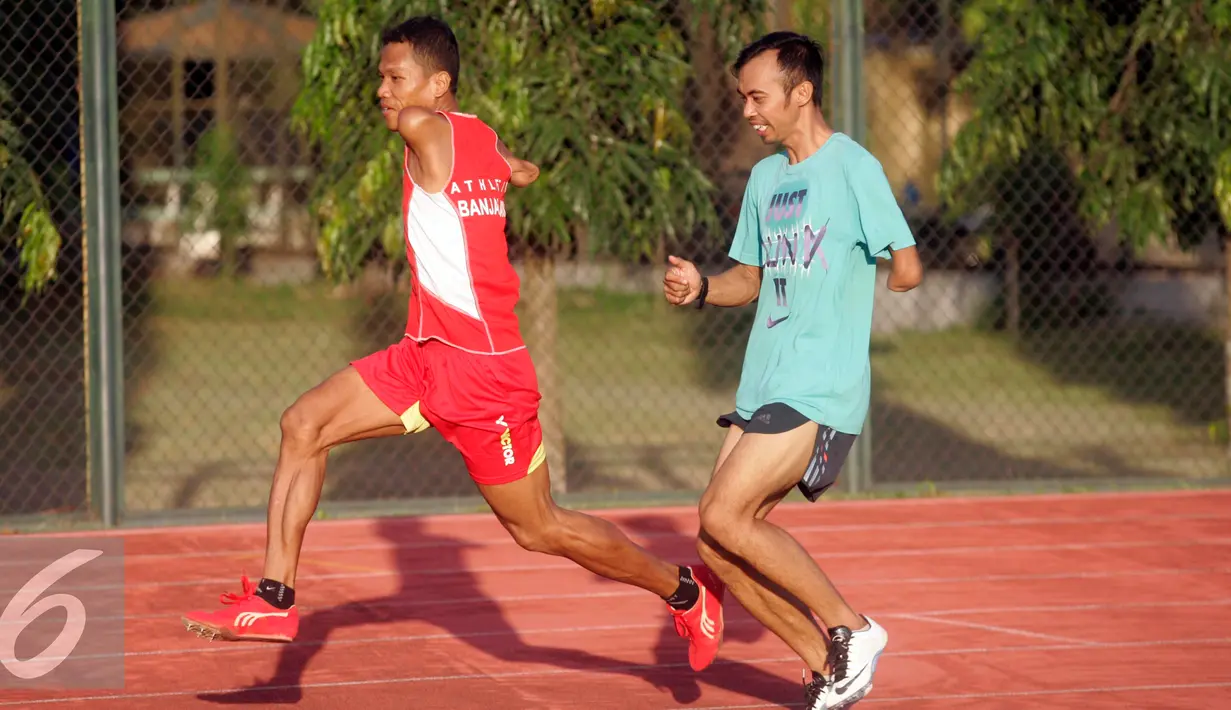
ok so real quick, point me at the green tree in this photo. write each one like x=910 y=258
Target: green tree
x=25 y=216
x=591 y=90
x=1129 y=98
x=218 y=194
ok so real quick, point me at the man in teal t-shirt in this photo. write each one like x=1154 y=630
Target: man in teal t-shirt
x=815 y=229
x=815 y=219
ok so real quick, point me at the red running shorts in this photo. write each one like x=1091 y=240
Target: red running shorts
x=486 y=406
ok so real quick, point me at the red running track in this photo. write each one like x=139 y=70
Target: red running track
x=1067 y=601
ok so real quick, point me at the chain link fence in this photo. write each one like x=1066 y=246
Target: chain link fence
x=1037 y=350
x=43 y=458
x=1043 y=345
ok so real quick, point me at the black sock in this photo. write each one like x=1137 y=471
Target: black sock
x=687 y=593
x=277 y=594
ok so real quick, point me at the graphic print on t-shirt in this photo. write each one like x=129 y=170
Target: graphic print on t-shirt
x=790 y=245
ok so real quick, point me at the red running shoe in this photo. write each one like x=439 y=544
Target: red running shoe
x=246 y=617
x=702 y=625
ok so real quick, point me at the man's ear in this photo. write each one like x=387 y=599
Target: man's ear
x=802 y=94
x=441 y=83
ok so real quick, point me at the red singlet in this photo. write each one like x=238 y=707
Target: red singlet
x=464 y=287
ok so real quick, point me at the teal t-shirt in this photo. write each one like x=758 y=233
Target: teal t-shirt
x=816 y=229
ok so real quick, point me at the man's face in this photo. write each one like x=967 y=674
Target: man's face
x=403 y=82
x=772 y=112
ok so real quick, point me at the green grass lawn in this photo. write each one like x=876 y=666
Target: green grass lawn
x=212 y=366
x=1094 y=403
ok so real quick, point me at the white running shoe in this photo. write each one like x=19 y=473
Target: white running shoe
x=852 y=662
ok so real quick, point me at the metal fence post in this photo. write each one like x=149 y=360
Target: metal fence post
x=101 y=203
x=847 y=81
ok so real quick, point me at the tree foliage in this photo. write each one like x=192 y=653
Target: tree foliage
x=1135 y=95
x=25 y=216
x=591 y=90
x=218 y=194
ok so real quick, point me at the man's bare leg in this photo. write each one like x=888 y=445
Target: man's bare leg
x=776 y=609
x=339 y=410
x=526 y=509
x=759 y=467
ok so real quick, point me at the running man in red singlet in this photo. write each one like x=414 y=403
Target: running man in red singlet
x=462 y=368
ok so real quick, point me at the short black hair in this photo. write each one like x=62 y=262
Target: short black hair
x=432 y=42
x=800 y=59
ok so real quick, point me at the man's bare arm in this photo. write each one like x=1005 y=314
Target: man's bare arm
x=907 y=270
x=422 y=128
x=429 y=137
x=524 y=171
x=737 y=286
